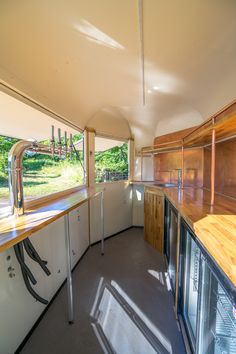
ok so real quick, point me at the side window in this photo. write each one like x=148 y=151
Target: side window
x=111 y=160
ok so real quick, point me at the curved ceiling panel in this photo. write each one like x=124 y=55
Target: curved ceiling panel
x=74 y=57
x=182 y=117
x=110 y=122
x=190 y=52
x=78 y=56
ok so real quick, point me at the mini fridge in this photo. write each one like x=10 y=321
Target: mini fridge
x=217 y=322
x=189 y=285
x=207 y=313
x=170 y=245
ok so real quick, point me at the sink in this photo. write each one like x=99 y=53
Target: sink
x=166 y=185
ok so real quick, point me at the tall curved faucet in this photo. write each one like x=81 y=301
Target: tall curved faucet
x=15 y=158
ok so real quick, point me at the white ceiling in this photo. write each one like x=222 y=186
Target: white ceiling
x=101 y=144
x=79 y=57
x=19 y=120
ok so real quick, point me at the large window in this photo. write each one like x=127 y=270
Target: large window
x=111 y=160
x=43 y=174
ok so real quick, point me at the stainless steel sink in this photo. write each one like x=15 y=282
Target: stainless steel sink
x=166 y=185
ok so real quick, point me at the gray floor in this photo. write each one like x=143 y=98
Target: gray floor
x=126 y=261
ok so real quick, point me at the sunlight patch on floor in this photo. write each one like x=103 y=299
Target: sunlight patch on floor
x=121 y=327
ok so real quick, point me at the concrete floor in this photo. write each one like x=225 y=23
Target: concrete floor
x=138 y=270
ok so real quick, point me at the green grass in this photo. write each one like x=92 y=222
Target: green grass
x=49 y=179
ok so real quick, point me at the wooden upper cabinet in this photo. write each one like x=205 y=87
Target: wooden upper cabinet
x=154 y=217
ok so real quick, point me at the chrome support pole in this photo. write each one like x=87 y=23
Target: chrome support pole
x=69 y=275
x=89 y=224
x=102 y=223
x=213 y=165
x=182 y=165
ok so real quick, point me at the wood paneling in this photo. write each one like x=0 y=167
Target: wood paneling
x=15 y=229
x=166 y=167
x=197 y=172
x=225 y=176
x=154 y=217
x=168 y=138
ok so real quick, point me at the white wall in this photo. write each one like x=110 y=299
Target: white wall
x=117 y=210
x=138 y=205
x=147 y=168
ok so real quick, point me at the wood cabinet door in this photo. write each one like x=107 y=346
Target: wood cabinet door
x=154 y=220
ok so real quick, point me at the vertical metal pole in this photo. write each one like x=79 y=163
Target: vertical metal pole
x=141 y=166
x=213 y=163
x=182 y=180
x=69 y=276
x=89 y=225
x=102 y=222
x=153 y=167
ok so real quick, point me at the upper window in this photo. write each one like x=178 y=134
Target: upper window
x=111 y=160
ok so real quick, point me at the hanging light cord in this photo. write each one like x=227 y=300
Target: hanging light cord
x=140 y=13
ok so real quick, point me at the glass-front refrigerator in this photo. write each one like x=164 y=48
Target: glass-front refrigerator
x=167 y=230
x=217 y=323
x=189 y=285
x=170 y=245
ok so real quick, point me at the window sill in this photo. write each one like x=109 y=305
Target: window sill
x=32 y=203
x=15 y=229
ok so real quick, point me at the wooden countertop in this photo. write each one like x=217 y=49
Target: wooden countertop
x=215 y=227
x=15 y=229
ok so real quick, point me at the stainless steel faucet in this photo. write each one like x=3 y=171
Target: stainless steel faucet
x=179 y=177
x=15 y=158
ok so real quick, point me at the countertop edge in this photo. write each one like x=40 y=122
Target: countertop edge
x=9 y=241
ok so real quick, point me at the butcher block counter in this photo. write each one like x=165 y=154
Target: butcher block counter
x=214 y=226
x=15 y=229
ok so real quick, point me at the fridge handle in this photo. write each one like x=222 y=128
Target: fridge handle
x=180 y=269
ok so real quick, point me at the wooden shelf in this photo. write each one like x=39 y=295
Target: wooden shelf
x=164 y=147
x=224 y=123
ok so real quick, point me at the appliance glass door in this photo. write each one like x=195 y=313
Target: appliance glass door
x=167 y=231
x=173 y=248
x=189 y=294
x=217 y=333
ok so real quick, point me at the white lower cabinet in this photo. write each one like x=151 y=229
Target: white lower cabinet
x=79 y=232
x=18 y=309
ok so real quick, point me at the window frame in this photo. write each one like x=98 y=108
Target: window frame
x=125 y=141
x=36 y=201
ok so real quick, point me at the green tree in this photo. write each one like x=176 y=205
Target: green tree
x=113 y=160
x=5 y=145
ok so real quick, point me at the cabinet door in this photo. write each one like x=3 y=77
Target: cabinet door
x=79 y=232
x=154 y=220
